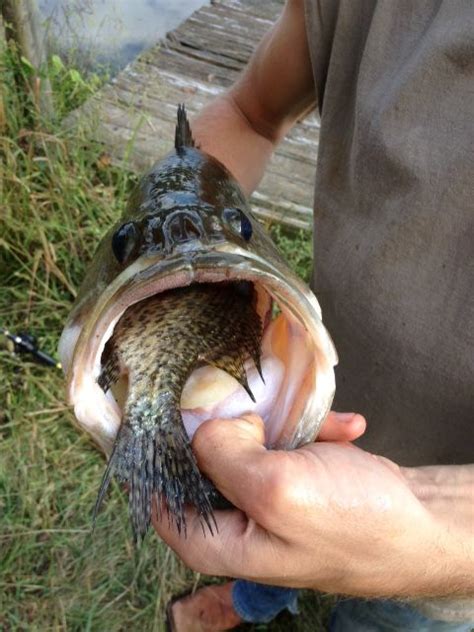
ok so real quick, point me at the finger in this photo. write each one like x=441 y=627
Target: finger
x=196 y=543
x=238 y=548
x=342 y=427
x=232 y=454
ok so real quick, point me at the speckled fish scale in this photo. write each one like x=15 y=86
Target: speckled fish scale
x=159 y=342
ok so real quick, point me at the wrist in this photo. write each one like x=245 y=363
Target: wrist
x=452 y=566
x=411 y=565
x=420 y=557
x=447 y=494
x=428 y=560
x=222 y=130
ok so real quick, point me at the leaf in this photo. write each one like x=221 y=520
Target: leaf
x=57 y=64
x=75 y=76
x=26 y=62
x=27 y=67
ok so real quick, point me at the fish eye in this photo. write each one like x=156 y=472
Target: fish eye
x=124 y=241
x=239 y=222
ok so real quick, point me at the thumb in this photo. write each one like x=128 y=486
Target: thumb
x=231 y=453
x=342 y=427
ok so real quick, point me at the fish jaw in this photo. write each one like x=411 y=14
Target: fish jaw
x=306 y=399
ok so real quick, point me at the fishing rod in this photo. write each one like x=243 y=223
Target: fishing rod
x=26 y=343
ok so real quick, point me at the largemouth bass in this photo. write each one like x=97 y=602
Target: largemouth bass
x=174 y=324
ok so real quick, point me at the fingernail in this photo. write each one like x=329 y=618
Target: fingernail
x=344 y=417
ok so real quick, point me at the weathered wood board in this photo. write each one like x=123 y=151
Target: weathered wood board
x=134 y=115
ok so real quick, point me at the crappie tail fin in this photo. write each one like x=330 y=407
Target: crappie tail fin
x=178 y=479
x=183 y=136
x=158 y=461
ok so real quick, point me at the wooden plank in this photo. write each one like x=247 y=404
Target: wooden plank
x=134 y=116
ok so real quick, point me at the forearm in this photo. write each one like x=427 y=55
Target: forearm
x=222 y=130
x=242 y=127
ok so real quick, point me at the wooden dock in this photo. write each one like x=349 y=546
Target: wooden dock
x=134 y=115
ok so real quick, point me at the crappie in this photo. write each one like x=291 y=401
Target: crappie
x=173 y=325
x=157 y=343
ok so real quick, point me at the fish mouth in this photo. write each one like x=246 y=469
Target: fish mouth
x=298 y=356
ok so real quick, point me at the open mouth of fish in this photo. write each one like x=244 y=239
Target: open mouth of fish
x=297 y=358
x=207 y=244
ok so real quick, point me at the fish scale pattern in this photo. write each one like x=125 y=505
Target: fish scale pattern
x=159 y=342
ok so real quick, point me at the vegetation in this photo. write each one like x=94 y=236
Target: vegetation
x=58 y=196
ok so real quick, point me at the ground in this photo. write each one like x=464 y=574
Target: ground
x=58 y=196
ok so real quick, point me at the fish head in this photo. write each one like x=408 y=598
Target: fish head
x=186 y=222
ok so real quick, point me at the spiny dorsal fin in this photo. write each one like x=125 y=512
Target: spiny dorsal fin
x=183 y=136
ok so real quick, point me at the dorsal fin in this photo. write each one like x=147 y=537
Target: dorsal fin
x=183 y=136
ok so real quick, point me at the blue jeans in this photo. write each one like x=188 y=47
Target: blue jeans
x=385 y=615
x=257 y=603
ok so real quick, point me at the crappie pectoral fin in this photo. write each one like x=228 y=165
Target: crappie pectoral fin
x=234 y=366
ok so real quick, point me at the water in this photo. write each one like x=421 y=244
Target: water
x=110 y=32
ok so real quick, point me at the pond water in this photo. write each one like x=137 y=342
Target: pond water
x=110 y=32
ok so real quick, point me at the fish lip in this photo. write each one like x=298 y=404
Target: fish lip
x=221 y=263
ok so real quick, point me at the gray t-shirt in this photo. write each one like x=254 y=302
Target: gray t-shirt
x=394 y=218
x=394 y=223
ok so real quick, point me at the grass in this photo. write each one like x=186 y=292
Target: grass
x=58 y=196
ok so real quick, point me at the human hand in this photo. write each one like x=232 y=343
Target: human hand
x=326 y=516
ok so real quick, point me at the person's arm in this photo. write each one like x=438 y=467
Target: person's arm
x=329 y=516
x=242 y=127
x=447 y=491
